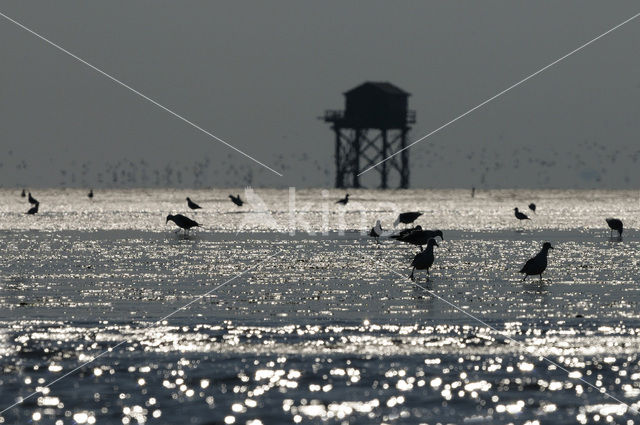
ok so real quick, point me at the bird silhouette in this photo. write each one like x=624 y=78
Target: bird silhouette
x=182 y=222
x=538 y=264
x=90 y=194
x=407 y=218
x=532 y=207
x=615 y=224
x=34 y=208
x=343 y=201
x=520 y=215
x=24 y=193
x=376 y=231
x=424 y=259
x=419 y=237
x=192 y=204
x=236 y=200
x=32 y=200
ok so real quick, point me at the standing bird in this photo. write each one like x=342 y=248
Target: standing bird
x=473 y=191
x=32 y=200
x=419 y=237
x=404 y=232
x=615 y=224
x=520 y=215
x=34 y=208
x=182 y=222
x=406 y=218
x=424 y=259
x=376 y=231
x=192 y=204
x=90 y=195
x=23 y=194
x=344 y=200
x=532 y=207
x=538 y=264
x=236 y=200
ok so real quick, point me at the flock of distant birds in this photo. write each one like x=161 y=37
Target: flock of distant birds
x=416 y=235
x=424 y=259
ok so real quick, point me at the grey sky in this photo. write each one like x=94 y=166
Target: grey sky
x=258 y=74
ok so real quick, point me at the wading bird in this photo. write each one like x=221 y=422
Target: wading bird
x=90 y=195
x=34 y=208
x=532 y=207
x=424 y=259
x=376 y=231
x=344 y=200
x=538 y=264
x=615 y=224
x=520 y=215
x=182 y=222
x=32 y=200
x=236 y=200
x=407 y=218
x=24 y=193
x=420 y=237
x=404 y=232
x=192 y=204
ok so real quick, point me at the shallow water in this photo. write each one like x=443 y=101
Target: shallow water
x=317 y=327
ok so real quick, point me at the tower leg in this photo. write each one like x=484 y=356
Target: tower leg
x=356 y=158
x=404 y=172
x=383 y=183
x=339 y=167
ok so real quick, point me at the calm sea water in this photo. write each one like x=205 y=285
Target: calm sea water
x=317 y=327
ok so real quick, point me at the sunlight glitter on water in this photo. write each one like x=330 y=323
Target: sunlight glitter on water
x=323 y=331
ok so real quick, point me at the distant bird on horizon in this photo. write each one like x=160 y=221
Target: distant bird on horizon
x=615 y=224
x=419 y=237
x=376 y=231
x=532 y=207
x=34 y=209
x=407 y=218
x=192 y=204
x=538 y=264
x=520 y=215
x=236 y=200
x=473 y=191
x=182 y=222
x=24 y=193
x=32 y=200
x=90 y=195
x=424 y=259
x=344 y=200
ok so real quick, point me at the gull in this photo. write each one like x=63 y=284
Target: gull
x=407 y=218
x=182 y=222
x=32 y=200
x=420 y=237
x=520 y=215
x=424 y=259
x=344 y=200
x=236 y=200
x=192 y=204
x=532 y=207
x=34 y=208
x=538 y=264
x=376 y=231
x=615 y=224
x=90 y=195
